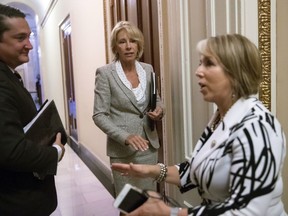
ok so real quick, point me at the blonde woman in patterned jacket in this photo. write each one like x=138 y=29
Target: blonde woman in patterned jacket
x=237 y=163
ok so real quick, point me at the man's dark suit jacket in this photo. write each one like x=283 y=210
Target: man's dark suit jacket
x=20 y=192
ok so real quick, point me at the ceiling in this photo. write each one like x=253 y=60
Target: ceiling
x=34 y=9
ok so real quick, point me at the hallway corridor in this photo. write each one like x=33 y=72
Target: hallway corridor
x=80 y=193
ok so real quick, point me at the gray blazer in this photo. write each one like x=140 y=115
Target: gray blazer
x=117 y=113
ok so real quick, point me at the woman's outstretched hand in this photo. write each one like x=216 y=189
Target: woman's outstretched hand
x=135 y=170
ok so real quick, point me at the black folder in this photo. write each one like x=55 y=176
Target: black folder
x=42 y=129
x=153 y=92
x=153 y=97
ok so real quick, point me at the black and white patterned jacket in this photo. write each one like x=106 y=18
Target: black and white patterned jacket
x=237 y=168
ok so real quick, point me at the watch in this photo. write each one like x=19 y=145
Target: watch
x=174 y=211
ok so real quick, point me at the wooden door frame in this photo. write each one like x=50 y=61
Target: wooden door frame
x=68 y=80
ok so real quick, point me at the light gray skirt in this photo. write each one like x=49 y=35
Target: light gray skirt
x=149 y=156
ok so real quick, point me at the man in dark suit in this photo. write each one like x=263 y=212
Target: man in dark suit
x=21 y=191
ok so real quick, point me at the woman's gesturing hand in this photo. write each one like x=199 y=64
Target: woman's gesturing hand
x=135 y=170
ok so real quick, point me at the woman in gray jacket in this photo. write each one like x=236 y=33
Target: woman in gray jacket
x=122 y=107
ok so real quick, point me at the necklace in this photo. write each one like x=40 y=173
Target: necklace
x=216 y=123
x=219 y=119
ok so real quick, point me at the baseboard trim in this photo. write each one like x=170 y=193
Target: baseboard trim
x=96 y=166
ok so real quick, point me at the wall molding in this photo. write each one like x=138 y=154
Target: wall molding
x=186 y=78
x=48 y=12
x=264 y=44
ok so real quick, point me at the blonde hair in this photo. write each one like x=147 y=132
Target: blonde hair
x=133 y=33
x=240 y=60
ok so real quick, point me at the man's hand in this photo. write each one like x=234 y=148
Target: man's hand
x=58 y=142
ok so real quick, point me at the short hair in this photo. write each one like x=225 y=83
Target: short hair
x=240 y=60
x=8 y=12
x=133 y=33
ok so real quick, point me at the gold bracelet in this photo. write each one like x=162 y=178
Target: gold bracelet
x=163 y=173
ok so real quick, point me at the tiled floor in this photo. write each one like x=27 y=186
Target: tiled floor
x=80 y=193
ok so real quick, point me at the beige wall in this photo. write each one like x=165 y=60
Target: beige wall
x=282 y=79
x=88 y=47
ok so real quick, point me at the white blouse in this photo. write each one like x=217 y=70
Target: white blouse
x=139 y=91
